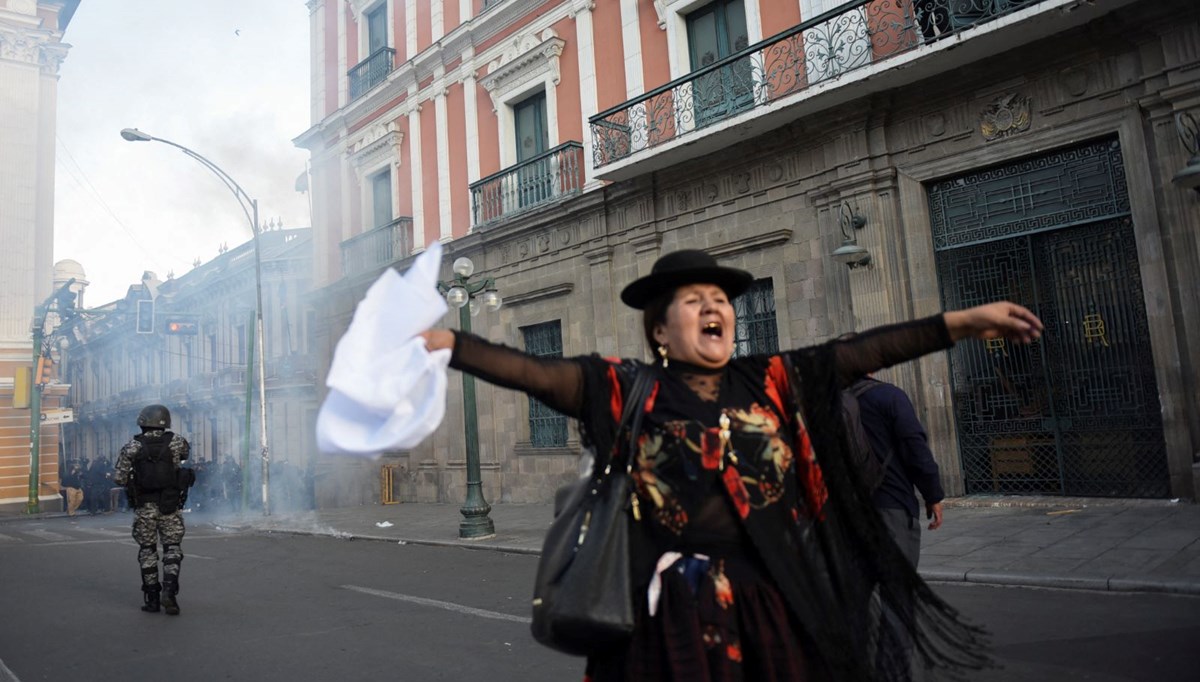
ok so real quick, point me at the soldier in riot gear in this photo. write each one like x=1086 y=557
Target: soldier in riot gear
x=149 y=467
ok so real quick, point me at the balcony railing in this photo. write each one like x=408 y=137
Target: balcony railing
x=380 y=246
x=534 y=182
x=846 y=38
x=371 y=71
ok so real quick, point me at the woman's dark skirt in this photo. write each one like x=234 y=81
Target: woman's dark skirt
x=718 y=621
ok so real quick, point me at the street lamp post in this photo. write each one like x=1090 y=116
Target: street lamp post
x=460 y=293
x=250 y=208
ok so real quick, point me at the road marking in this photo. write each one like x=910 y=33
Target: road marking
x=449 y=606
x=9 y=538
x=114 y=541
x=104 y=532
x=7 y=675
x=47 y=535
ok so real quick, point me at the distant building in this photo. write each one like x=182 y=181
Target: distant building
x=31 y=51
x=186 y=343
x=973 y=150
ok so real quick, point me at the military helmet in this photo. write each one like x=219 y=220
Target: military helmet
x=154 y=417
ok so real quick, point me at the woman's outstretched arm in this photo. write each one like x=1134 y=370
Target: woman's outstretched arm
x=557 y=382
x=875 y=349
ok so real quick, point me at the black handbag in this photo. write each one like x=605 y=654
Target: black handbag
x=582 y=598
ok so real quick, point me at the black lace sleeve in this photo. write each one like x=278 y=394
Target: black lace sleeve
x=859 y=354
x=557 y=382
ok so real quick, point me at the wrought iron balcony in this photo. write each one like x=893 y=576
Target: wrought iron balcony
x=371 y=71
x=534 y=182
x=852 y=36
x=377 y=247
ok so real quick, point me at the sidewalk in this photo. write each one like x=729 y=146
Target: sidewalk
x=1112 y=545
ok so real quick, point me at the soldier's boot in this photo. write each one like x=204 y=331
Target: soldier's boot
x=170 y=604
x=150 y=596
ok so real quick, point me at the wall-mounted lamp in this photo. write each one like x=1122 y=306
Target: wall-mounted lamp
x=1189 y=135
x=850 y=253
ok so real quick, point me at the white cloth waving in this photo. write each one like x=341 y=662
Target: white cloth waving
x=386 y=391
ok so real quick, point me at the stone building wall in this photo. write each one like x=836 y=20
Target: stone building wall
x=772 y=206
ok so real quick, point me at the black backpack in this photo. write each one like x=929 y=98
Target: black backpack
x=870 y=466
x=153 y=465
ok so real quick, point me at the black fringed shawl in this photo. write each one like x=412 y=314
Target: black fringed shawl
x=847 y=554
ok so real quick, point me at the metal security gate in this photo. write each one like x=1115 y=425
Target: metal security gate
x=1076 y=413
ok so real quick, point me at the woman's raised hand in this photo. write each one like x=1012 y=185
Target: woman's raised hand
x=1002 y=319
x=437 y=339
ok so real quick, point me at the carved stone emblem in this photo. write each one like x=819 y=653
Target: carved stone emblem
x=1074 y=81
x=1007 y=115
x=935 y=125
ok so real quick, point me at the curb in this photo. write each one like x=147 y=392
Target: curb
x=1061 y=582
x=937 y=575
x=463 y=544
x=1054 y=502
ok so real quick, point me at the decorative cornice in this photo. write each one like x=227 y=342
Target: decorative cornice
x=660 y=8
x=747 y=244
x=840 y=189
x=526 y=58
x=599 y=255
x=539 y=294
x=357 y=7
x=314 y=5
x=52 y=56
x=581 y=6
x=21 y=46
x=646 y=243
x=28 y=7
x=376 y=142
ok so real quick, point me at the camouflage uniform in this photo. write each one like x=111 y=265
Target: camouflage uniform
x=150 y=525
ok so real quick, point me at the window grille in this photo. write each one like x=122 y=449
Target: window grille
x=547 y=428
x=757 y=332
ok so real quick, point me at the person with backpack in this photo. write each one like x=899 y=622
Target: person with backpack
x=150 y=468
x=901 y=448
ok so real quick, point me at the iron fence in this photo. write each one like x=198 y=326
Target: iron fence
x=371 y=71
x=547 y=177
x=380 y=246
x=846 y=38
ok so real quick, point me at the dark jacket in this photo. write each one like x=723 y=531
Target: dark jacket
x=898 y=438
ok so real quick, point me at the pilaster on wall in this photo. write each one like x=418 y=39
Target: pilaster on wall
x=896 y=286
x=600 y=261
x=933 y=393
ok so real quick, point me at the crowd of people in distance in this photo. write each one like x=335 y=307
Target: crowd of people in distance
x=87 y=484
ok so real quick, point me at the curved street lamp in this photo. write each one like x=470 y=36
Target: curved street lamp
x=250 y=208
x=461 y=293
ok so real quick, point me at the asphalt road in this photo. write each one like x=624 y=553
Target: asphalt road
x=283 y=607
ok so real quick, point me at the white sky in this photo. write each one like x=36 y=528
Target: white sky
x=228 y=79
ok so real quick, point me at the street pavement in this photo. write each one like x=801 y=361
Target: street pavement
x=1077 y=543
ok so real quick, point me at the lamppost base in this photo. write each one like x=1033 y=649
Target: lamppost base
x=476 y=524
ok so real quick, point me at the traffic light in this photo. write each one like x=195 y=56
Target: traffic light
x=66 y=302
x=145 y=316
x=45 y=368
x=181 y=326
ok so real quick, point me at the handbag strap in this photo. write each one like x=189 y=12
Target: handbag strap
x=631 y=415
x=634 y=409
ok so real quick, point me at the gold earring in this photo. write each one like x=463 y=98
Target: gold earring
x=662 y=352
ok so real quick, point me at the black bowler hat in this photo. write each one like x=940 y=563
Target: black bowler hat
x=678 y=268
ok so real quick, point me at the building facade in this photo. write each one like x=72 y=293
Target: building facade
x=869 y=162
x=31 y=51
x=188 y=343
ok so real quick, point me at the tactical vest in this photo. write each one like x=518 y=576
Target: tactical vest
x=154 y=467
